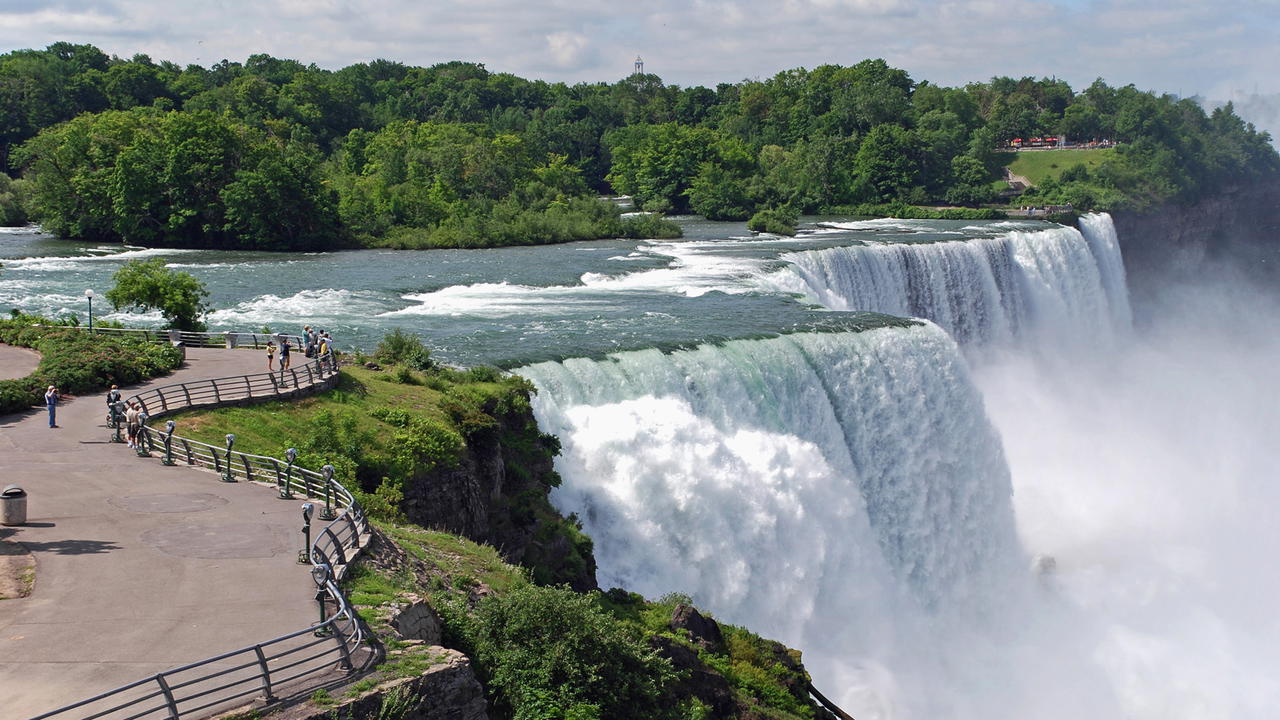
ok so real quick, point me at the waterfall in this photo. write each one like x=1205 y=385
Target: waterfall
x=1062 y=283
x=786 y=481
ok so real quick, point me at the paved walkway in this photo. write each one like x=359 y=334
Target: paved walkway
x=16 y=362
x=139 y=567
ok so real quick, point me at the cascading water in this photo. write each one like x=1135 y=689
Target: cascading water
x=795 y=482
x=1059 y=282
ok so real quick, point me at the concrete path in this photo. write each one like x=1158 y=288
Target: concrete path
x=139 y=567
x=16 y=362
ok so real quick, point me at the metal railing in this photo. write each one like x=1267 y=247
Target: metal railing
x=193 y=339
x=287 y=665
x=308 y=377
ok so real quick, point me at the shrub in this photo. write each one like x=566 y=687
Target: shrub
x=402 y=348
x=548 y=652
x=78 y=362
x=779 y=221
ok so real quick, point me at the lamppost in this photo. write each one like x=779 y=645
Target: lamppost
x=89 y=294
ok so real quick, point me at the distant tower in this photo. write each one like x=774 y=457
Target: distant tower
x=639 y=66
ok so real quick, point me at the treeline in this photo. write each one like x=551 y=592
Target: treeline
x=274 y=153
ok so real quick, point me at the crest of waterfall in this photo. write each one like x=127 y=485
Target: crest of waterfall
x=1060 y=285
x=822 y=472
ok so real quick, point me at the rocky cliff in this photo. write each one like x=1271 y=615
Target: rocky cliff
x=497 y=494
x=1239 y=226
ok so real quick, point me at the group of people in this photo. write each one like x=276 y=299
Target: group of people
x=132 y=414
x=315 y=344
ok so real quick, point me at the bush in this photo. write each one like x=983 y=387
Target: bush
x=779 y=221
x=402 y=348
x=78 y=362
x=548 y=652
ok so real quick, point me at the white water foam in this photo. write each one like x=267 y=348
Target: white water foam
x=843 y=492
x=1056 y=284
x=694 y=269
x=311 y=305
x=99 y=254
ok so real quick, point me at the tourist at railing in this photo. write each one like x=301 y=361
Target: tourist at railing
x=131 y=423
x=271 y=356
x=312 y=339
x=284 y=354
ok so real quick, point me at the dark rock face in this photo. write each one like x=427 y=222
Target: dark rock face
x=1238 y=226
x=699 y=681
x=497 y=494
x=448 y=690
x=418 y=621
x=703 y=631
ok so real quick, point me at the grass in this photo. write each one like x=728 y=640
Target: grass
x=1040 y=165
x=272 y=427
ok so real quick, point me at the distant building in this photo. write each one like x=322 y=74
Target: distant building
x=639 y=66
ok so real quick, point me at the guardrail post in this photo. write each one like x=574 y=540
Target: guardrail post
x=327 y=513
x=248 y=387
x=227 y=476
x=186 y=446
x=342 y=647
x=217 y=397
x=266 y=674
x=337 y=546
x=168 y=696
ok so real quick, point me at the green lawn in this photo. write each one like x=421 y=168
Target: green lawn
x=268 y=428
x=1040 y=165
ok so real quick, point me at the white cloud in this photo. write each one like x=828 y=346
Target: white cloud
x=1182 y=46
x=567 y=48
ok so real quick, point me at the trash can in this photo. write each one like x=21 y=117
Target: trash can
x=13 y=506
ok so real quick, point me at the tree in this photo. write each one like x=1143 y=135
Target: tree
x=886 y=161
x=149 y=285
x=970 y=183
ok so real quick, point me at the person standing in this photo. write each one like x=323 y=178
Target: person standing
x=113 y=397
x=51 y=401
x=284 y=354
x=271 y=356
x=131 y=423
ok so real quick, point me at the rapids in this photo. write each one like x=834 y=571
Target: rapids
x=1023 y=504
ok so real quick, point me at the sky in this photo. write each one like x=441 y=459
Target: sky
x=1217 y=50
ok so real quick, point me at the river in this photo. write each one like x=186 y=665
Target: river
x=1024 y=504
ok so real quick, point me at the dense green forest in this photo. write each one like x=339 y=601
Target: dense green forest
x=274 y=154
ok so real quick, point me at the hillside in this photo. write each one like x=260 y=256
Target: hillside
x=276 y=154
